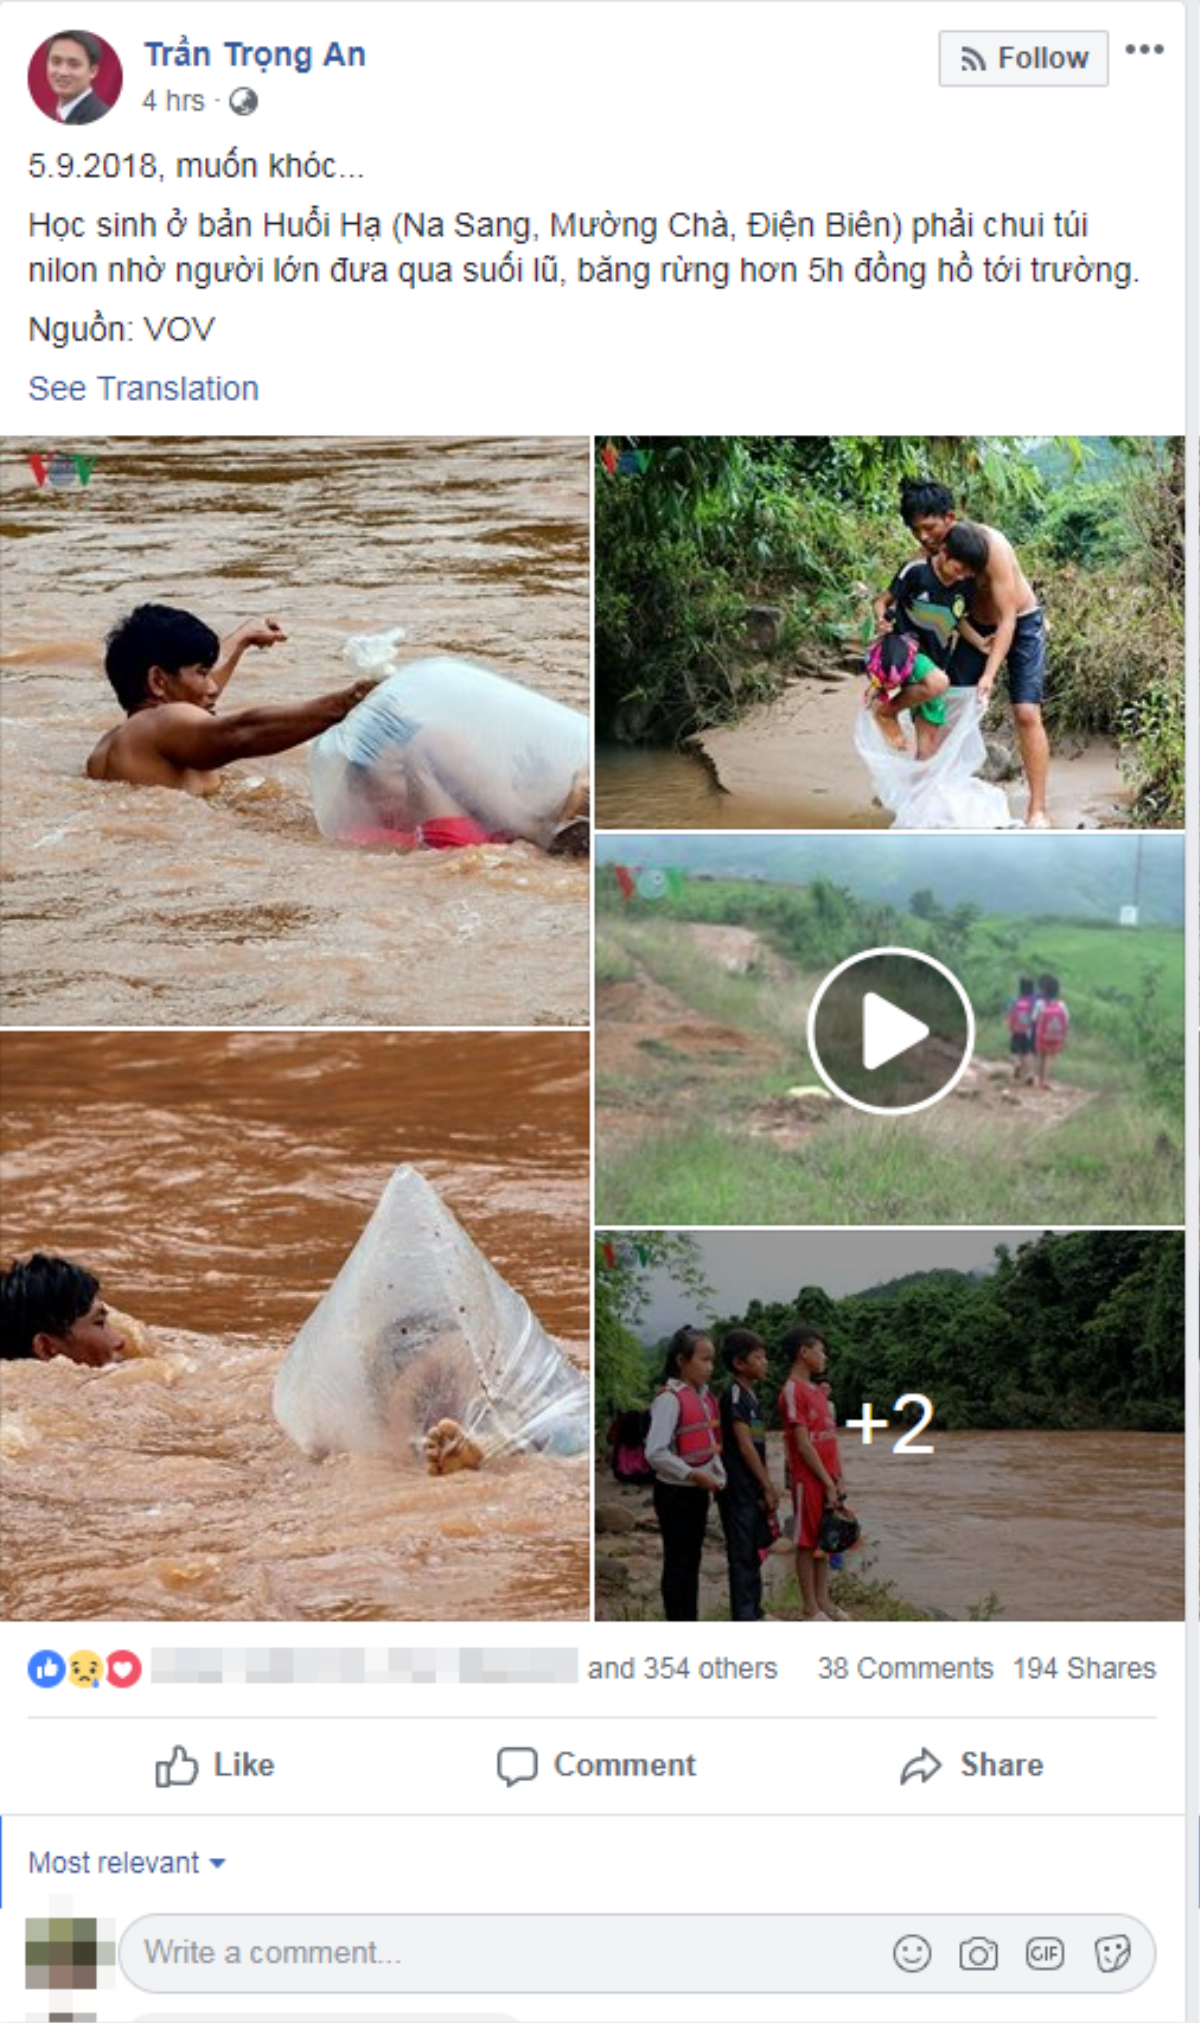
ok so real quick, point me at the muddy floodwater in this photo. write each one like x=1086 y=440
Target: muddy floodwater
x=791 y=764
x=1044 y=1521
x=136 y=906
x=1025 y=1527
x=216 y=1183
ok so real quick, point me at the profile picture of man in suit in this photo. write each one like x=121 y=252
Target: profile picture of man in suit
x=73 y=61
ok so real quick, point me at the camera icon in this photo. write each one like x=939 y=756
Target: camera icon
x=979 y=1956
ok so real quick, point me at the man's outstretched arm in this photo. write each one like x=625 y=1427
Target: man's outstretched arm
x=190 y=737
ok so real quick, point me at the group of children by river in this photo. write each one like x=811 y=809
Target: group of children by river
x=701 y=1445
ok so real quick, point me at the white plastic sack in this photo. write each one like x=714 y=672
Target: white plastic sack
x=443 y=740
x=940 y=792
x=416 y=1328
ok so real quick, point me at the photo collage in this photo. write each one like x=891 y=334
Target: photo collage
x=594 y=1030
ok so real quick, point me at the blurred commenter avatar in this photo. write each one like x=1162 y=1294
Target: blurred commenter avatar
x=73 y=61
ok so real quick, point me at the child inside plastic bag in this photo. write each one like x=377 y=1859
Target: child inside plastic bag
x=420 y=1349
x=446 y=753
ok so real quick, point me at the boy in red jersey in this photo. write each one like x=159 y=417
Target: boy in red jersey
x=814 y=1466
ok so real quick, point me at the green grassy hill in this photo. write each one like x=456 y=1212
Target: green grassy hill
x=697 y=1120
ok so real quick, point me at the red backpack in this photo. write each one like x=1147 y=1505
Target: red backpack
x=1021 y=1016
x=1052 y=1025
x=627 y=1440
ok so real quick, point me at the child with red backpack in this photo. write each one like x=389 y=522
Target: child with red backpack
x=683 y=1447
x=1022 y=1025
x=1053 y=1025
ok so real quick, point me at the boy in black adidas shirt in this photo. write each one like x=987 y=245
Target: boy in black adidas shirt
x=750 y=1496
x=929 y=601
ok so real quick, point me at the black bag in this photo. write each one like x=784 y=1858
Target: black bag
x=840 y=1531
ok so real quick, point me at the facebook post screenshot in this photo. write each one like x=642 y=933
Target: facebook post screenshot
x=598 y=1012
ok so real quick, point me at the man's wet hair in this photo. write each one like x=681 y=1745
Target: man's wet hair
x=90 y=43
x=155 y=635
x=739 y=1344
x=968 y=544
x=921 y=499
x=41 y=1296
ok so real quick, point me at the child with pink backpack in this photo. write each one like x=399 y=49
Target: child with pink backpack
x=1022 y=1026
x=1051 y=1028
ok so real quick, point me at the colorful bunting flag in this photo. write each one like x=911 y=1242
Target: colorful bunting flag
x=656 y=883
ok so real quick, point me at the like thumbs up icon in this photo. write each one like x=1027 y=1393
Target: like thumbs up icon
x=182 y=1769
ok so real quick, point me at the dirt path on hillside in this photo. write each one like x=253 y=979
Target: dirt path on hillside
x=660 y=1058
x=789 y=1120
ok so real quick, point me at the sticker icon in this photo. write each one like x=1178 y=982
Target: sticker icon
x=47 y=1668
x=87 y=1668
x=1113 y=1953
x=124 y=1668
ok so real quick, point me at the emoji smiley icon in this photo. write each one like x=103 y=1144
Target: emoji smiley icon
x=912 y=1953
x=86 y=1668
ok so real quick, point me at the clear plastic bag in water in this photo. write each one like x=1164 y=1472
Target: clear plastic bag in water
x=417 y=1328
x=941 y=792
x=449 y=746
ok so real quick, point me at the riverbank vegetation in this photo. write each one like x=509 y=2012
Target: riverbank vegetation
x=1066 y=1332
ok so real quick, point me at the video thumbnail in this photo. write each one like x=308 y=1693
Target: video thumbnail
x=1048 y=1070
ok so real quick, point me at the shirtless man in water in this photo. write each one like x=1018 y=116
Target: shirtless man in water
x=1005 y=612
x=168 y=670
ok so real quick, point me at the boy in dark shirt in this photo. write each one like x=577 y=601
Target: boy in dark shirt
x=749 y=1497
x=928 y=602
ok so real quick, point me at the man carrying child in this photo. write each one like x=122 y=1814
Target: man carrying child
x=1008 y=629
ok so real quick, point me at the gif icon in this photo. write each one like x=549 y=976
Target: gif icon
x=1045 y=1954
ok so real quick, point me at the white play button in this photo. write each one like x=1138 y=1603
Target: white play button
x=887 y=1031
x=890 y=1031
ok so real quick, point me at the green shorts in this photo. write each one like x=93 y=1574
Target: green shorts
x=933 y=711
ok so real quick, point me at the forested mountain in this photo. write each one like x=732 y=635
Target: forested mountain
x=1082 y=1330
x=1085 y=1329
